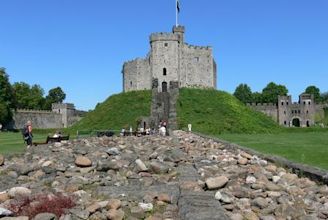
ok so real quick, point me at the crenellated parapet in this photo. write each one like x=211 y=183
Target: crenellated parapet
x=138 y=59
x=261 y=104
x=33 y=111
x=163 y=37
x=209 y=48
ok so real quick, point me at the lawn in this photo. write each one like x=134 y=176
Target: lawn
x=304 y=147
x=11 y=143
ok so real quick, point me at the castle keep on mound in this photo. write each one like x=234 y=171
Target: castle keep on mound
x=292 y=114
x=171 y=59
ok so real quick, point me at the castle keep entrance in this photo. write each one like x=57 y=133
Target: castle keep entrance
x=296 y=122
x=164 y=86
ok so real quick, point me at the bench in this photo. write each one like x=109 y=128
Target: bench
x=52 y=140
x=57 y=139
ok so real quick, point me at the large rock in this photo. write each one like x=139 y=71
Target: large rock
x=114 y=214
x=5 y=212
x=45 y=216
x=82 y=161
x=2 y=159
x=216 y=182
x=19 y=192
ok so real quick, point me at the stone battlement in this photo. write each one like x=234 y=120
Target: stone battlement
x=163 y=37
x=33 y=111
x=133 y=61
x=198 y=47
x=261 y=104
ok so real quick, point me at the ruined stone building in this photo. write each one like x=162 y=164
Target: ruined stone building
x=171 y=59
x=292 y=114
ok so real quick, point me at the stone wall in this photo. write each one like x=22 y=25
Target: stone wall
x=269 y=109
x=136 y=75
x=197 y=67
x=39 y=119
x=62 y=115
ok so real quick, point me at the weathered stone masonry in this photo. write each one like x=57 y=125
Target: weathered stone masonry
x=171 y=59
x=62 y=115
x=289 y=114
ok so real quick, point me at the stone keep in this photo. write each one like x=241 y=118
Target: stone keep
x=171 y=59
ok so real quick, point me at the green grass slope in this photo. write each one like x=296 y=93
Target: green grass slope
x=209 y=112
x=214 y=112
x=118 y=111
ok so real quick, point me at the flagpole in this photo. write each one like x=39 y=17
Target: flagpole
x=176 y=13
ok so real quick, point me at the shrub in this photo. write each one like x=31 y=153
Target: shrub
x=57 y=204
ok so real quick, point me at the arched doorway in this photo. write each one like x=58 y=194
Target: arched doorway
x=307 y=124
x=164 y=86
x=296 y=122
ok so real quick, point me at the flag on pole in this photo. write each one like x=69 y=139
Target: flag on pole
x=178 y=6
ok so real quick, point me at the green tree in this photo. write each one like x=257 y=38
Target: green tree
x=55 y=95
x=28 y=97
x=314 y=91
x=324 y=97
x=271 y=91
x=244 y=93
x=7 y=100
x=257 y=97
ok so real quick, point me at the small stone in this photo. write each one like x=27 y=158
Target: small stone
x=216 y=182
x=83 y=214
x=242 y=161
x=164 y=198
x=263 y=162
x=223 y=197
x=16 y=218
x=3 y=197
x=158 y=168
x=82 y=161
x=114 y=214
x=272 y=187
x=250 y=216
x=236 y=216
x=271 y=168
x=250 y=180
x=19 y=192
x=274 y=194
x=260 y=202
x=276 y=179
x=114 y=204
x=93 y=208
x=46 y=164
x=2 y=159
x=147 y=207
x=45 y=216
x=137 y=212
x=58 y=144
x=141 y=165
x=269 y=217
x=113 y=151
x=246 y=155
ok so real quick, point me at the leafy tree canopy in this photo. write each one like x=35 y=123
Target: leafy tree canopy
x=315 y=91
x=244 y=93
x=55 y=95
x=271 y=91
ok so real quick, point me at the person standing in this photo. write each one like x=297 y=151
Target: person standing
x=28 y=136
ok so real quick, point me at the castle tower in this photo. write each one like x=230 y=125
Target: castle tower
x=284 y=103
x=67 y=110
x=165 y=57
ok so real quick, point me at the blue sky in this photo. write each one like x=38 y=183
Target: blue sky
x=80 y=45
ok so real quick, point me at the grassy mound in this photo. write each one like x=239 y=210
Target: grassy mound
x=214 y=112
x=118 y=111
x=209 y=112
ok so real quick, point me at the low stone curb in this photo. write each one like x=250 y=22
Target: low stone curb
x=315 y=174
